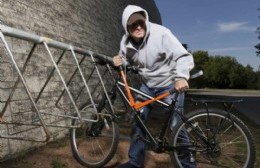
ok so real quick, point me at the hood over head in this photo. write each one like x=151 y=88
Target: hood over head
x=135 y=17
x=128 y=11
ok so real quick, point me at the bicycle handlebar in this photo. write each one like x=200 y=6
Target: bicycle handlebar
x=197 y=74
x=103 y=58
x=106 y=59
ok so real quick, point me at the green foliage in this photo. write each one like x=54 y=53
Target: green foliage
x=258 y=79
x=223 y=72
x=57 y=163
x=257 y=46
x=200 y=57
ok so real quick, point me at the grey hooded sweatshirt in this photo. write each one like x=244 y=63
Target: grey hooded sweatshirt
x=160 y=59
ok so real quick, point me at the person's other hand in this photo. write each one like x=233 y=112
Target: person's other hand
x=117 y=60
x=181 y=85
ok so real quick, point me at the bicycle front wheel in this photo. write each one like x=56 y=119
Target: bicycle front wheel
x=213 y=139
x=94 y=143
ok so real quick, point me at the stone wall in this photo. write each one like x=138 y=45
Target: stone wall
x=92 y=25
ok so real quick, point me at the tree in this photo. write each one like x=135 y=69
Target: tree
x=258 y=80
x=217 y=71
x=258 y=45
x=223 y=72
x=200 y=58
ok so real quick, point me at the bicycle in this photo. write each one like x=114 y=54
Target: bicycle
x=217 y=137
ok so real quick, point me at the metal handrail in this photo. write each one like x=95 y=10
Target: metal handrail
x=47 y=42
x=23 y=35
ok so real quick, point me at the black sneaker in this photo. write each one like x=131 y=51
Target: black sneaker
x=127 y=165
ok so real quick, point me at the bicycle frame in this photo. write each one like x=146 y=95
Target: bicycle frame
x=139 y=105
x=136 y=106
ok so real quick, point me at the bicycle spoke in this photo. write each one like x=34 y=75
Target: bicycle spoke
x=95 y=143
x=227 y=129
x=99 y=146
x=231 y=160
x=106 y=124
x=227 y=143
x=231 y=142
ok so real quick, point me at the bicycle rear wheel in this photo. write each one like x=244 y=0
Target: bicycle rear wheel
x=229 y=142
x=94 y=143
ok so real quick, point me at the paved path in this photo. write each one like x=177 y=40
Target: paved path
x=251 y=108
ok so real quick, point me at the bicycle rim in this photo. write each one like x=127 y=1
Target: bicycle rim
x=95 y=143
x=230 y=143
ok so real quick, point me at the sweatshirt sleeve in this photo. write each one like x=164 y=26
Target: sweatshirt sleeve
x=183 y=59
x=122 y=51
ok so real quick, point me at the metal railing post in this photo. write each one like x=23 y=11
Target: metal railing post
x=26 y=87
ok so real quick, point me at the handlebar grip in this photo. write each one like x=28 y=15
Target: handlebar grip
x=199 y=73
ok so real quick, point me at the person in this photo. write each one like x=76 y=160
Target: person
x=161 y=61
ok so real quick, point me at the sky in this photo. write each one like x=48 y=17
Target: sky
x=221 y=27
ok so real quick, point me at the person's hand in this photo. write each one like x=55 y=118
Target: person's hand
x=117 y=60
x=181 y=85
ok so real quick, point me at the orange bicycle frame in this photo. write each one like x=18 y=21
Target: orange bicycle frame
x=138 y=105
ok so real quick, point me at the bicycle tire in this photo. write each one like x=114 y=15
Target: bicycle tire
x=94 y=143
x=234 y=143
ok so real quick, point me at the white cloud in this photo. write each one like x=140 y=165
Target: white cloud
x=234 y=26
x=216 y=50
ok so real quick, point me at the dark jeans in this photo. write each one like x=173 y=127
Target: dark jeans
x=137 y=147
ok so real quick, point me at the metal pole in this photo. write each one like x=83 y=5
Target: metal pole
x=69 y=81
x=62 y=79
x=17 y=81
x=26 y=87
x=12 y=32
x=86 y=85
x=49 y=77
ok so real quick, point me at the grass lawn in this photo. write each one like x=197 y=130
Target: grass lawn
x=255 y=129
